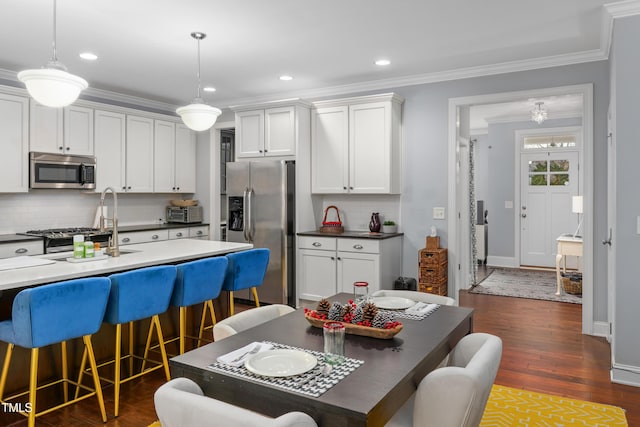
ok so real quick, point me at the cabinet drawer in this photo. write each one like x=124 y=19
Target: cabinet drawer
x=359 y=245
x=198 y=232
x=143 y=237
x=178 y=233
x=35 y=247
x=321 y=243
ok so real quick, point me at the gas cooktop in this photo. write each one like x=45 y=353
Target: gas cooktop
x=63 y=233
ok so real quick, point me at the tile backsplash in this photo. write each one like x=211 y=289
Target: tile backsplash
x=355 y=210
x=41 y=209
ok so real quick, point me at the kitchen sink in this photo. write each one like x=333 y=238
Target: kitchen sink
x=70 y=254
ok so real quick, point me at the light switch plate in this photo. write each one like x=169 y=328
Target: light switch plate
x=438 y=213
x=508 y=204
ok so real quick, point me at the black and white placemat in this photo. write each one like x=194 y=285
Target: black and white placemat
x=316 y=387
x=402 y=314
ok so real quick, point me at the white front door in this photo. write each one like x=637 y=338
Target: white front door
x=548 y=181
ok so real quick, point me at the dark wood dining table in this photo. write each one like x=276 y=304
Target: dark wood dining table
x=369 y=396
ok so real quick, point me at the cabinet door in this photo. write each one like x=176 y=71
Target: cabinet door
x=14 y=162
x=370 y=148
x=139 y=154
x=316 y=275
x=280 y=132
x=78 y=130
x=178 y=233
x=185 y=159
x=32 y=247
x=358 y=267
x=164 y=157
x=45 y=128
x=250 y=134
x=330 y=150
x=110 y=149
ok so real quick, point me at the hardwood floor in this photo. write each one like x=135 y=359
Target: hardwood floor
x=544 y=351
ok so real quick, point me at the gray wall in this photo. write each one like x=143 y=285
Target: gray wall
x=627 y=136
x=498 y=171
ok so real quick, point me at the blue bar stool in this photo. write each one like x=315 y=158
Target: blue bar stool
x=136 y=295
x=246 y=270
x=51 y=314
x=197 y=282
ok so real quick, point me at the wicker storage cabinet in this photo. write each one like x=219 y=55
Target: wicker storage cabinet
x=433 y=267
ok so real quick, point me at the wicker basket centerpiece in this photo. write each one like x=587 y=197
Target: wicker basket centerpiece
x=572 y=283
x=182 y=203
x=358 y=319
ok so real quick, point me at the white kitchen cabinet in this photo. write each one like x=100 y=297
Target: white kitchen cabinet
x=174 y=158
x=110 y=150
x=139 y=155
x=199 y=232
x=178 y=233
x=329 y=265
x=66 y=130
x=269 y=132
x=13 y=249
x=132 y=237
x=14 y=134
x=356 y=145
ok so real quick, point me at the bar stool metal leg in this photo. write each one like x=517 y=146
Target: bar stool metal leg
x=96 y=380
x=65 y=371
x=33 y=386
x=5 y=368
x=254 y=290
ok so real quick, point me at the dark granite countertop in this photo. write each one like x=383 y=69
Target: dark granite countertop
x=168 y=226
x=13 y=238
x=352 y=235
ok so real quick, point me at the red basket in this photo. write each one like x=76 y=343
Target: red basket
x=331 y=226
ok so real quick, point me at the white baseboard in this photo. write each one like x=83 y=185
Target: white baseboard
x=502 y=261
x=625 y=374
x=601 y=329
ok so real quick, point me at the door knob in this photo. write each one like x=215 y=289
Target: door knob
x=607 y=241
x=524 y=215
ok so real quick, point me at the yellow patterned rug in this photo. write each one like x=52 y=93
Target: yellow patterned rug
x=510 y=407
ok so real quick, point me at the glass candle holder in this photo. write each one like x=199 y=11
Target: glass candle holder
x=333 y=333
x=360 y=292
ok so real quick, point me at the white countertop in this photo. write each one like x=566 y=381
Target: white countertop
x=146 y=254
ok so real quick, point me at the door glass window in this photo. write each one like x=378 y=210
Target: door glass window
x=542 y=172
x=547 y=142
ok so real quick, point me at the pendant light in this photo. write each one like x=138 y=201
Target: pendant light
x=198 y=115
x=539 y=114
x=52 y=85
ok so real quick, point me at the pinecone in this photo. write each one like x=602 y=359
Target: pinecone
x=382 y=318
x=323 y=307
x=369 y=311
x=346 y=309
x=357 y=315
x=334 y=312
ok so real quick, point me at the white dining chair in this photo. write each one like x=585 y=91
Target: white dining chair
x=248 y=319
x=456 y=395
x=416 y=296
x=181 y=403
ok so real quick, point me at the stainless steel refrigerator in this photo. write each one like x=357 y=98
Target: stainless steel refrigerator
x=261 y=210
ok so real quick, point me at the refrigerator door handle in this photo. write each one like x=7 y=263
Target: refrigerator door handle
x=251 y=231
x=245 y=217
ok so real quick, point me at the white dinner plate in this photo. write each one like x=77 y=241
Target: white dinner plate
x=393 y=303
x=281 y=363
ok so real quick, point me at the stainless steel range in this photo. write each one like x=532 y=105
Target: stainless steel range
x=61 y=239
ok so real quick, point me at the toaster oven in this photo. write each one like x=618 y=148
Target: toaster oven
x=184 y=214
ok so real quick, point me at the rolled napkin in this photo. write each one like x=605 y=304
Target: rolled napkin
x=422 y=308
x=239 y=356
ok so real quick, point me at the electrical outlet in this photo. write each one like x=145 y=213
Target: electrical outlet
x=438 y=213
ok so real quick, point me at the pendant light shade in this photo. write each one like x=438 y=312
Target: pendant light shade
x=198 y=116
x=52 y=85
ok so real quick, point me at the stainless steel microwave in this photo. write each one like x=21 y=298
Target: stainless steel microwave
x=47 y=170
x=185 y=214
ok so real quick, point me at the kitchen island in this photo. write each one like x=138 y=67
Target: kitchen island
x=132 y=256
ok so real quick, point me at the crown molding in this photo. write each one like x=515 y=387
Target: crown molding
x=610 y=12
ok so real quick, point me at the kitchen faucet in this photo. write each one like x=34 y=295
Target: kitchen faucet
x=112 y=246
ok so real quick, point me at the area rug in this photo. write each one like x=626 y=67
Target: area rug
x=509 y=407
x=515 y=282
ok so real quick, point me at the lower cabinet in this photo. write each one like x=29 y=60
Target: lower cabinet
x=132 y=237
x=34 y=247
x=330 y=265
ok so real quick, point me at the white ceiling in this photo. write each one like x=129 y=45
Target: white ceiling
x=329 y=46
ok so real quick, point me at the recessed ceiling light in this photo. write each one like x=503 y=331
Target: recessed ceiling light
x=209 y=89
x=88 y=56
x=382 y=62
x=286 y=78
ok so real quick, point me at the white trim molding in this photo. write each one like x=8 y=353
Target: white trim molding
x=625 y=374
x=601 y=329
x=502 y=261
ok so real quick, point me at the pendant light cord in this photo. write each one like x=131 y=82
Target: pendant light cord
x=55 y=54
x=197 y=38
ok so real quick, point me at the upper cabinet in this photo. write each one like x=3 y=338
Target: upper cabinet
x=356 y=145
x=66 y=130
x=139 y=154
x=174 y=158
x=110 y=150
x=14 y=134
x=269 y=131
